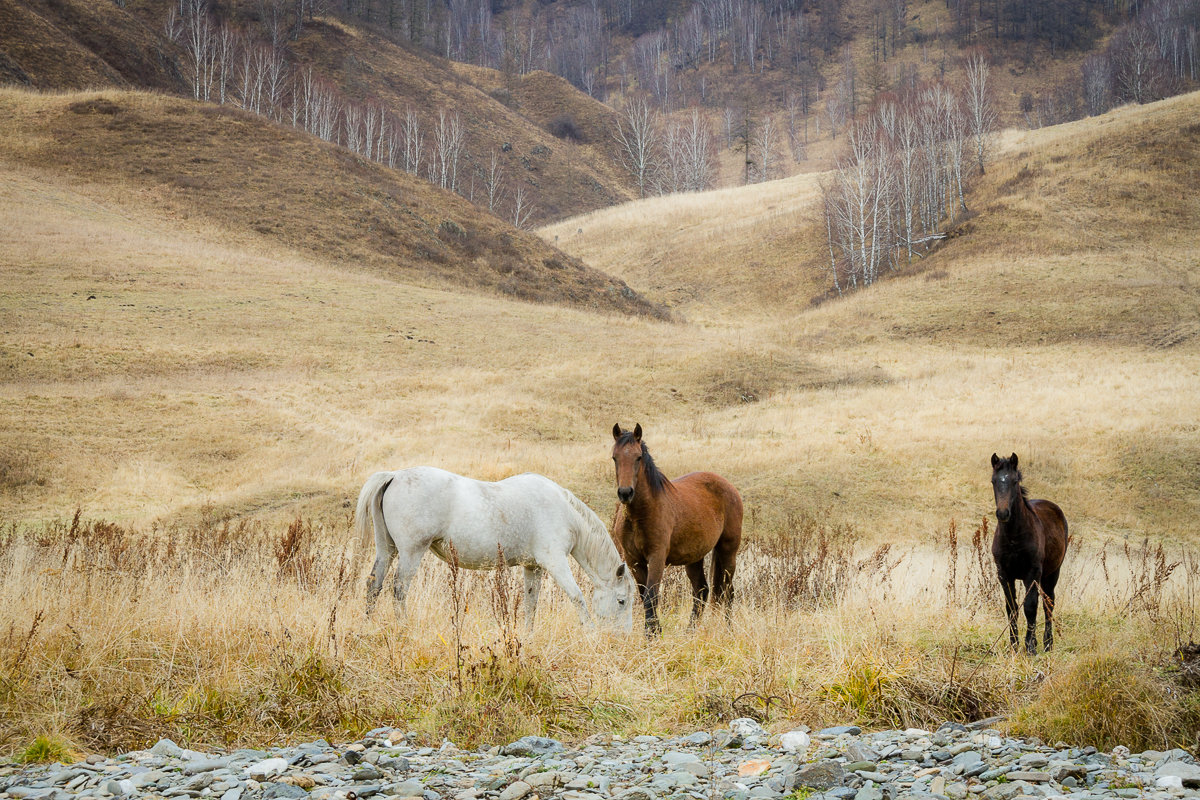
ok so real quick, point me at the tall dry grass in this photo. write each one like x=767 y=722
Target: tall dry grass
x=231 y=633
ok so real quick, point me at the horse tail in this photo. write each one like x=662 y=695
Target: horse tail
x=368 y=516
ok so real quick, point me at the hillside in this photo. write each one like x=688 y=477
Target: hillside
x=809 y=410
x=283 y=189
x=1080 y=250
x=90 y=44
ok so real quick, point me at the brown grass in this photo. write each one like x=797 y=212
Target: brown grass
x=206 y=634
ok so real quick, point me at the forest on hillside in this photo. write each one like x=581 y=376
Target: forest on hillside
x=751 y=75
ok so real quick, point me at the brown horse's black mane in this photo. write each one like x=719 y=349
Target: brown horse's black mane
x=656 y=480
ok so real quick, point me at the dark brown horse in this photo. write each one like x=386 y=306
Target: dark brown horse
x=1029 y=545
x=663 y=523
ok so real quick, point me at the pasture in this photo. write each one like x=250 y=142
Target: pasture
x=212 y=403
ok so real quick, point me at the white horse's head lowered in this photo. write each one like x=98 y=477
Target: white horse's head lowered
x=612 y=602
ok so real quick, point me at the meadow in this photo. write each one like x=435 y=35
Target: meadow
x=190 y=407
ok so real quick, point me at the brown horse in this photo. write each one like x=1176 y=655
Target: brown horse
x=662 y=523
x=1029 y=545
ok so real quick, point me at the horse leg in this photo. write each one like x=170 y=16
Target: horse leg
x=1010 y=607
x=533 y=587
x=654 y=572
x=1032 y=595
x=1048 y=584
x=695 y=573
x=385 y=551
x=560 y=571
x=724 y=565
x=407 y=564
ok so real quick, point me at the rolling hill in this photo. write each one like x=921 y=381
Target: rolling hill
x=214 y=368
x=289 y=190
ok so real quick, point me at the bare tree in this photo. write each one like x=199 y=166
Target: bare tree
x=1097 y=83
x=414 y=142
x=981 y=110
x=522 y=208
x=448 y=145
x=764 y=145
x=637 y=137
x=493 y=183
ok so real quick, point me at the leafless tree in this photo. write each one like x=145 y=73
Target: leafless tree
x=1097 y=83
x=764 y=145
x=636 y=133
x=200 y=46
x=493 y=183
x=410 y=131
x=981 y=109
x=522 y=207
x=448 y=144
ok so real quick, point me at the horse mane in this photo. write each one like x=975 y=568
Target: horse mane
x=654 y=477
x=595 y=548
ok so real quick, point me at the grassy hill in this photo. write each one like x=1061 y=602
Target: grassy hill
x=274 y=184
x=92 y=44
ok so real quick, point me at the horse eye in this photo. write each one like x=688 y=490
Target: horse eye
x=621 y=602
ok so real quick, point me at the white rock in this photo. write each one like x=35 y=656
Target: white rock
x=795 y=741
x=1169 y=782
x=516 y=790
x=267 y=767
x=747 y=728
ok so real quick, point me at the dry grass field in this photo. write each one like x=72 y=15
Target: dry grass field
x=211 y=400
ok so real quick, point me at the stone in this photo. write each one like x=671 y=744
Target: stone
x=822 y=775
x=1028 y=777
x=166 y=747
x=532 y=746
x=267 y=767
x=753 y=768
x=839 y=730
x=747 y=728
x=283 y=791
x=1188 y=774
x=795 y=741
x=516 y=790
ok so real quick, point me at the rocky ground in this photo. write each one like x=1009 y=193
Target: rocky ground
x=743 y=762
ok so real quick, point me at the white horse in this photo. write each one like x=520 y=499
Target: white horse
x=529 y=519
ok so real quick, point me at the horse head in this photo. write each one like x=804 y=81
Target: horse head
x=612 y=602
x=627 y=454
x=1006 y=485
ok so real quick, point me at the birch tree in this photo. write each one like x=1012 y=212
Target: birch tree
x=636 y=134
x=980 y=108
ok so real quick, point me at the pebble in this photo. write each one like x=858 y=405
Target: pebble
x=743 y=762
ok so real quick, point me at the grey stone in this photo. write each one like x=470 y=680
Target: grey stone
x=1188 y=773
x=747 y=728
x=821 y=776
x=986 y=723
x=281 y=791
x=838 y=730
x=697 y=739
x=532 y=746
x=516 y=790
x=636 y=793
x=166 y=747
x=1028 y=777
x=870 y=791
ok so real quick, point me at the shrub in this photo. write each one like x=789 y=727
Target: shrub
x=564 y=127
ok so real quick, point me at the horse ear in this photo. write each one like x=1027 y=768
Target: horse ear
x=1013 y=459
x=637 y=431
x=621 y=570
x=617 y=431
x=995 y=460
